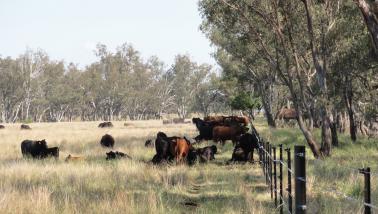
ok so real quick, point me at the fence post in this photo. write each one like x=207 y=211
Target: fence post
x=275 y=175
x=281 y=177
x=300 y=179
x=270 y=171
x=290 y=198
x=367 y=193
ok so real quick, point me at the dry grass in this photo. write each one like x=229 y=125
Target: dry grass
x=98 y=186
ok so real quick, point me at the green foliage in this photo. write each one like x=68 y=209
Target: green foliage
x=244 y=101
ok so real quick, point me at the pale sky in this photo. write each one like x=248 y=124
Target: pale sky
x=70 y=29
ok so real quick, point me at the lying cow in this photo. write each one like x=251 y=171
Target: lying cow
x=25 y=127
x=116 y=155
x=105 y=125
x=206 y=154
x=70 y=158
x=38 y=149
x=107 y=141
x=223 y=133
x=2 y=127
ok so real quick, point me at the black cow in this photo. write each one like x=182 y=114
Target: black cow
x=105 y=125
x=245 y=147
x=116 y=155
x=24 y=126
x=149 y=143
x=107 y=141
x=205 y=129
x=2 y=127
x=207 y=153
x=162 y=147
x=38 y=149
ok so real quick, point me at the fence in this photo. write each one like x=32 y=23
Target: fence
x=268 y=160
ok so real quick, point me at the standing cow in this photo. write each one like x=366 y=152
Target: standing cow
x=223 y=133
x=107 y=141
x=38 y=149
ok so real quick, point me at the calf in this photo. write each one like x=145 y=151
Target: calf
x=74 y=158
x=207 y=153
x=180 y=149
x=116 y=155
x=25 y=127
x=105 y=125
x=51 y=152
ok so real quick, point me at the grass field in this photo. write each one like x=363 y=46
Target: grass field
x=95 y=185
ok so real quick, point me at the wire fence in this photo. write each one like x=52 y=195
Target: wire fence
x=284 y=197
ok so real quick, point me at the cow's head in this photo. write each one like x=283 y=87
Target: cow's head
x=214 y=149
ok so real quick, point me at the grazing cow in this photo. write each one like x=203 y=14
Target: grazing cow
x=167 y=122
x=286 y=114
x=205 y=129
x=107 y=141
x=207 y=153
x=116 y=155
x=35 y=149
x=2 y=127
x=74 y=158
x=24 y=126
x=149 y=143
x=223 y=133
x=105 y=125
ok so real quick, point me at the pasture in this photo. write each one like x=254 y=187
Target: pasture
x=94 y=185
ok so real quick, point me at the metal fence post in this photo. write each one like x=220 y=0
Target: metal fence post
x=300 y=179
x=367 y=193
x=266 y=163
x=270 y=171
x=275 y=175
x=290 y=198
x=281 y=177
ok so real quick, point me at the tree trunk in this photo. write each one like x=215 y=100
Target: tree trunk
x=371 y=20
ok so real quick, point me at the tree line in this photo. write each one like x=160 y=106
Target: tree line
x=318 y=57
x=119 y=85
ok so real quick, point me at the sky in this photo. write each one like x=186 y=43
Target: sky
x=70 y=29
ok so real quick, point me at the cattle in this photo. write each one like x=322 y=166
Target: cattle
x=149 y=143
x=219 y=119
x=107 y=141
x=38 y=149
x=286 y=114
x=167 y=122
x=238 y=155
x=162 y=147
x=53 y=152
x=178 y=120
x=206 y=154
x=74 y=158
x=25 y=127
x=180 y=149
x=238 y=119
x=116 y=155
x=248 y=142
x=205 y=129
x=2 y=127
x=223 y=133
x=35 y=149
x=105 y=125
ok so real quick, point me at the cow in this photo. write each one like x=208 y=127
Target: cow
x=2 y=127
x=149 y=143
x=223 y=133
x=74 y=158
x=248 y=142
x=238 y=155
x=162 y=147
x=25 y=127
x=180 y=149
x=51 y=152
x=286 y=114
x=178 y=120
x=167 y=122
x=116 y=155
x=105 y=125
x=243 y=120
x=219 y=119
x=35 y=149
x=107 y=141
x=205 y=129
x=206 y=154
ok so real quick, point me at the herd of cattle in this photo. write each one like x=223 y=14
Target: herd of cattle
x=174 y=148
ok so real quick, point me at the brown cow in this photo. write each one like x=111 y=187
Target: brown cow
x=74 y=158
x=239 y=119
x=180 y=149
x=223 y=133
x=286 y=114
x=218 y=119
